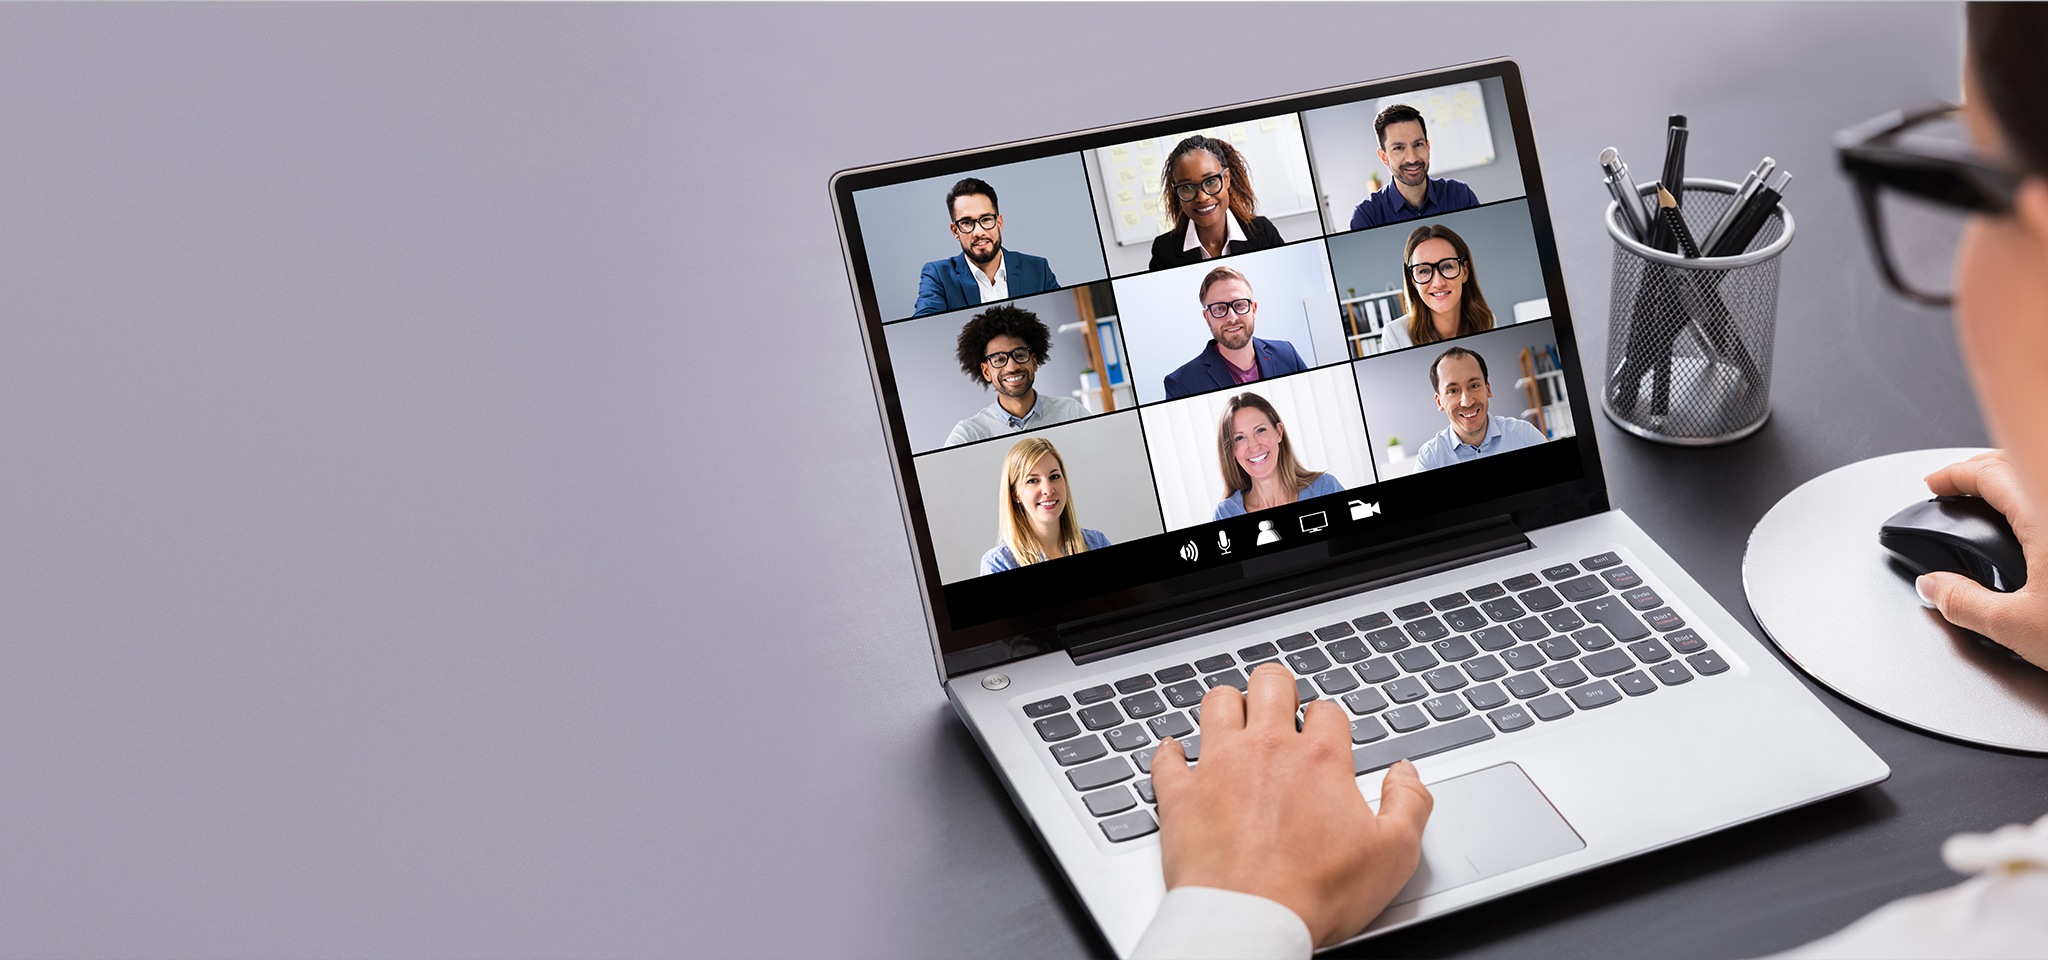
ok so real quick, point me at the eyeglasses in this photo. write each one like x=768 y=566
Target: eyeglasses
x=1425 y=272
x=1918 y=179
x=1019 y=356
x=1224 y=308
x=986 y=221
x=1211 y=185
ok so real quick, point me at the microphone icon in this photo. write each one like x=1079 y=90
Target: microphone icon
x=1223 y=540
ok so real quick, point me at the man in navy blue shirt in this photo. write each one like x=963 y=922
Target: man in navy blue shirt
x=1412 y=194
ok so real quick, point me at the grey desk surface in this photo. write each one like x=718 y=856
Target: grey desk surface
x=443 y=511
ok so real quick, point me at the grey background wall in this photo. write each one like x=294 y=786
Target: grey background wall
x=1045 y=211
x=1109 y=484
x=1394 y=389
x=1503 y=253
x=1162 y=318
x=1344 y=150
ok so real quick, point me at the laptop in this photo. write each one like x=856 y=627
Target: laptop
x=1297 y=380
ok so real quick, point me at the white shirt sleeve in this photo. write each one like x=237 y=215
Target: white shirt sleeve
x=1205 y=922
x=2001 y=912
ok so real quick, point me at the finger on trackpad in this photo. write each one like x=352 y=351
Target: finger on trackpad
x=1486 y=822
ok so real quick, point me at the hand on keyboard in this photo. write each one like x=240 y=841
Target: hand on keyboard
x=1276 y=812
x=2017 y=620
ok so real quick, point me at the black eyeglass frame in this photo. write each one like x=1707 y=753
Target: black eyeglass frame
x=1228 y=307
x=1185 y=192
x=986 y=222
x=1437 y=268
x=1956 y=177
x=1002 y=359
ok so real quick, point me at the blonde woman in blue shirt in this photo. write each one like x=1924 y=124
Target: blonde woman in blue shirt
x=1258 y=463
x=1036 y=511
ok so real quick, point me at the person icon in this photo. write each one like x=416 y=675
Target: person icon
x=1267 y=534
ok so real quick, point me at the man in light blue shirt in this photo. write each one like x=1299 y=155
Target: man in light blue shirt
x=1458 y=378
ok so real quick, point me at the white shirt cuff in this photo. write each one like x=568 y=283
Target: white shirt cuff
x=1205 y=922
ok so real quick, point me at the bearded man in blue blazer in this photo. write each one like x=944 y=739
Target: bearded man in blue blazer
x=982 y=272
x=1234 y=357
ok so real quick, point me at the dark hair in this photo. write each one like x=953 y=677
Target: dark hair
x=997 y=321
x=2005 y=42
x=1446 y=355
x=1474 y=316
x=1398 y=113
x=969 y=187
x=1243 y=203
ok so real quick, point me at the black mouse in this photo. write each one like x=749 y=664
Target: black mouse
x=1960 y=534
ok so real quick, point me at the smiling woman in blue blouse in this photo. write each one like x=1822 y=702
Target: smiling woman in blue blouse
x=1258 y=463
x=1036 y=511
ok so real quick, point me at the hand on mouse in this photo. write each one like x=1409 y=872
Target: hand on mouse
x=1277 y=813
x=2018 y=620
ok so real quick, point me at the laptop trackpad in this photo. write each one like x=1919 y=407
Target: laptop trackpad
x=1486 y=822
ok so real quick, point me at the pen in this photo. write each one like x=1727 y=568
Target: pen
x=1623 y=187
x=1751 y=220
x=1675 y=135
x=1750 y=184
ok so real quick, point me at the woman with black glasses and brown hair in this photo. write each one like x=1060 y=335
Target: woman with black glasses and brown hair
x=1208 y=188
x=1439 y=290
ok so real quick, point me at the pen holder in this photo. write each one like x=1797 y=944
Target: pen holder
x=1689 y=341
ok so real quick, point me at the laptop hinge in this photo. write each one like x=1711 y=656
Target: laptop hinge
x=1099 y=638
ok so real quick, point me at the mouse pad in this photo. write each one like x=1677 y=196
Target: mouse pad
x=1486 y=822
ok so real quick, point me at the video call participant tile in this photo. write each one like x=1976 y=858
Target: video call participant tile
x=1469 y=272
x=996 y=504
x=1473 y=410
x=1414 y=155
x=980 y=237
x=1263 y=445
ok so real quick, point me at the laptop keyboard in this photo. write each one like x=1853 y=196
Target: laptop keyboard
x=1422 y=679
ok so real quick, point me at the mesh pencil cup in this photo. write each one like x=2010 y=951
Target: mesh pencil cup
x=1689 y=341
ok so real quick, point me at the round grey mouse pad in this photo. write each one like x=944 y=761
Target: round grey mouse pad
x=1840 y=608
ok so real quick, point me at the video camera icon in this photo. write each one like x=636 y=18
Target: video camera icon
x=1361 y=509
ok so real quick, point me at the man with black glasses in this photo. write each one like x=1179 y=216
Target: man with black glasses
x=1234 y=357
x=1003 y=347
x=982 y=272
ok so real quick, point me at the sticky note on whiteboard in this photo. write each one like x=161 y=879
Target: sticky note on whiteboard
x=1131 y=220
x=1240 y=133
x=1124 y=198
x=1151 y=186
x=1124 y=175
x=1268 y=125
x=1119 y=154
x=1147 y=163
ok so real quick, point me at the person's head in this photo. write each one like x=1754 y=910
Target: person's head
x=1440 y=286
x=1228 y=307
x=1457 y=377
x=1003 y=347
x=1251 y=446
x=1034 y=496
x=1204 y=180
x=971 y=206
x=1404 y=143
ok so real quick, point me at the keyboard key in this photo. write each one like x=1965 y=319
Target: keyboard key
x=1529 y=628
x=1607 y=663
x=1563 y=674
x=1195 y=713
x=1175 y=674
x=1367 y=729
x=1642 y=598
x=1322 y=634
x=1365 y=701
x=1593 y=638
x=1465 y=619
x=1412 y=611
x=1296 y=641
x=1046 y=708
x=1304 y=691
x=1252 y=667
x=1486 y=696
x=1130 y=826
x=1335 y=682
x=1191 y=747
x=1184 y=694
x=1563 y=571
x=1145 y=790
x=1551 y=707
x=1448 y=602
x=1144 y=705
x=1431 y=742
x=1215 y=664
x=1649 y=651
x=1503 y=610
x=1095 y=694
x=1308 y=661
x=1101 y=716
x=1347 y=650
x=1128 y=737
x=1671 y=673
x=1600 y=562
x=1388 y=640
x=1485 y=668
x=1664 y=619
x=1405 y=690
x=1078 y=751
x=1622 y=578
x=1594 y=695
x=1615 y=615
x=1511 y=719
x=1170 y=726
x=1524 y=582
x=1377 y=670
x=1102 y=803
x=1708 y=663
x=1523 y=658
x=1427 y=629
x=1487 y=592
x=1231 y=677
x=1415 y=659
x=1635 y=683
x=1142 y=681
x=1557 y=648
x=1584 y=588
x=1057 y=728
x=1540 y=599
x=1143 y=759
x=1494 y=638
x=1686 y=641
x=1444 y=679
x=1453 y=649
x=1445 y=707
x=1405 y=719
x=1257 y=652
x=1563 y=620
x=1526 y=685
x=1372 y=621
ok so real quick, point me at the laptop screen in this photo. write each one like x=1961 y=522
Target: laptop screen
x=1135 y=366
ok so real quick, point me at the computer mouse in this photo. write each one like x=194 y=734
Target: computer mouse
x=1960 y=534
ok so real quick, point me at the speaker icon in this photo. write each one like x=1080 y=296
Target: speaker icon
x=1189 y=551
